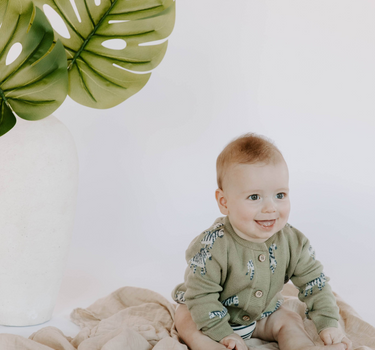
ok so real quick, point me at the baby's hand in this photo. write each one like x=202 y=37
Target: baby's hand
x=333 y=335
x=234 y=341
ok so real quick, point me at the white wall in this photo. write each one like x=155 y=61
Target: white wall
x=300 y=72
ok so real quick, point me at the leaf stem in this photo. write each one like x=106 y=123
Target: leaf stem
x=3 y=96
x=78 y=53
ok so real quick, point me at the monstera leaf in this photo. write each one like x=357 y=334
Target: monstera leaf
x=36 y=82
x=102 y=77
x=3 y=7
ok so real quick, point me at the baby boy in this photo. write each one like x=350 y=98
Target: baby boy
x=238 y=267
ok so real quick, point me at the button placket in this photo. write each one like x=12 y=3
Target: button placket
x=257 y=297
x=262 y=258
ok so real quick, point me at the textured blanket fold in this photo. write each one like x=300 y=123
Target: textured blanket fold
x=139 y=319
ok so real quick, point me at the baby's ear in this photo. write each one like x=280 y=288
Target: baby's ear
x=221 y=201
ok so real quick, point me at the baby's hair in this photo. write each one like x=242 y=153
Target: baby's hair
x=249 y=148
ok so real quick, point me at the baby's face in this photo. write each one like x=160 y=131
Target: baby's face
x=256 y=199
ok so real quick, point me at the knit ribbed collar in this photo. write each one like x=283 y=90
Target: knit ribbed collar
x=255 y=246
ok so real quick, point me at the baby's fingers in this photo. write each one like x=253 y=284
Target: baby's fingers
x=233 y=345
x=327 y=338
x=347 y=342
x=230 y=344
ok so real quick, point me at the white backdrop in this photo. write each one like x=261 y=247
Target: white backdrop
x=300 y=72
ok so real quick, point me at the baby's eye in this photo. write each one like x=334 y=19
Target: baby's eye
x=280 y=195
x=254 y=197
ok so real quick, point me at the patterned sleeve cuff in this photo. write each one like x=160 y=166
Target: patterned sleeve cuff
x=219 y=331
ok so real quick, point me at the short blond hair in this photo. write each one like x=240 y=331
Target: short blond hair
x=249 y=148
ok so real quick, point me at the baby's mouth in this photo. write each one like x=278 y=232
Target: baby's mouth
x=265 y=223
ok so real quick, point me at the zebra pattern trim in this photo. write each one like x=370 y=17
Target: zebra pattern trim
x=312 y=252
x=233 y=300
x=211 y=236
x=273 y=262
x=219 y=314
x=217 y=225
x=250 y=267
x=199 y=260
x=267 y=313
x=320 y=282
x=180 y=297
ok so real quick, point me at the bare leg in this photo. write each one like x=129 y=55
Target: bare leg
x=286 y=327
x=188 y=332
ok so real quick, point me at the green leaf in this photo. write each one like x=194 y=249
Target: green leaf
x=7 y=119
x=94 y=80
x=36 y=83
x=3 y=7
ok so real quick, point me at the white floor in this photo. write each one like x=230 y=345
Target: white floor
x=80 y=290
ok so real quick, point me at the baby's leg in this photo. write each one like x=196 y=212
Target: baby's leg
x=286 y=327
x=188 y=332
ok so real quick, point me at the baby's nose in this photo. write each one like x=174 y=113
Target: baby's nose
x=269 y=207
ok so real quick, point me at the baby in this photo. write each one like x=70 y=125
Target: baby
x=238 y=267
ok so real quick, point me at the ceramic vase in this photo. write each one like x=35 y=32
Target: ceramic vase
x=38 y=192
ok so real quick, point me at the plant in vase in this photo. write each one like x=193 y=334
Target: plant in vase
x=38 y=162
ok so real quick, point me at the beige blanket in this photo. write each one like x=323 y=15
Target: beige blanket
x=140 y=319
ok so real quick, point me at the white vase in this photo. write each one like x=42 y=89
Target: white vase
x=38 y=191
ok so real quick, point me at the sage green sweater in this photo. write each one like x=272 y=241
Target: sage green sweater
x=232 y=280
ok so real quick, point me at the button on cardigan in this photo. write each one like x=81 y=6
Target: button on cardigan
x=232 y=280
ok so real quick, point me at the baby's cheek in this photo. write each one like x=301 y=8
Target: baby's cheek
x=242 y=219
x=247 y=217
x=248 y=212
x=283 y=211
